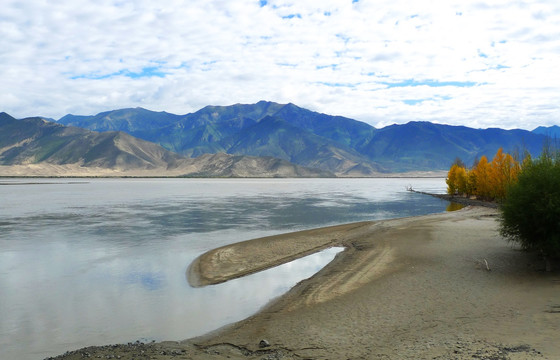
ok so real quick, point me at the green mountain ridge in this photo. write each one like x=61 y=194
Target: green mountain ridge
x=129 y=120
x=331 y=143
x=272 y=136
x=215 y=129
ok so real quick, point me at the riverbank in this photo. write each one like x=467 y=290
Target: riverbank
x=459 y=199
x=443 y=286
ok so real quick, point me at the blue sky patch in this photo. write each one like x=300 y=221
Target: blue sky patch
x=419 y=101
x=149 y=71
x=287 y=65
x=343 y=37
x=332 y=66
x=493 y=44
x=414 y=101
x=336 y=84
x=291 y=16
x=91 y=76
x=262 y=3
x=430 y=83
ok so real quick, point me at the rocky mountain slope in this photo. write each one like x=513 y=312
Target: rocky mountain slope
x=34 y=146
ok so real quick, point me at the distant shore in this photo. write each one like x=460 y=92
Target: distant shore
x=463 y=200
x=443 y=286
x=76 y=171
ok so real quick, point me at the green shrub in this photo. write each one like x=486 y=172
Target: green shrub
x=531 y=210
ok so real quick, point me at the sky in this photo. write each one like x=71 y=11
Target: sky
x=472 y=63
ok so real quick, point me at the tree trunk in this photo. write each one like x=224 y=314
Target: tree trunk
x=548 y=264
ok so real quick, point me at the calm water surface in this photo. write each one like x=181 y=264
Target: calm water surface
x=102 y=261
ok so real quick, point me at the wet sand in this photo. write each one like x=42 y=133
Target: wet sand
x=443 y=286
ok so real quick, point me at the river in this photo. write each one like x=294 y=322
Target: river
x=102 y=261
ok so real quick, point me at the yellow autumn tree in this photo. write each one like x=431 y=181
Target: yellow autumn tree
x=499 y=175
x=482 y=173
x=486 y=180
x=512 y=170
x=471 y=183
x=452 y=180
x=462 y=181
x=456 y=180
x=503 y=173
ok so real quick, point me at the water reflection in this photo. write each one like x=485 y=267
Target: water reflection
x=146 y=209
x=110 y=298
x=453 y=206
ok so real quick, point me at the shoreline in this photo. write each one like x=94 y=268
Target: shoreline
x=466 y=201
x=441 y=286
x=53 y=171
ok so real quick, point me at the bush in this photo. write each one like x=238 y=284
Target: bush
x=531 y=210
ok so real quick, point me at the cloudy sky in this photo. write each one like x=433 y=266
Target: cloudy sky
x=480 y=64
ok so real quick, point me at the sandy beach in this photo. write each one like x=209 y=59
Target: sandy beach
x=443 y=286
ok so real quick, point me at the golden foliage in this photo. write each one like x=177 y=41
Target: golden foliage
x=486 y=180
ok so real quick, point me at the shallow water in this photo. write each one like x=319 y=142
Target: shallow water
x=99 y=261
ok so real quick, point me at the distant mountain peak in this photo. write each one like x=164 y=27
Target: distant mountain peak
x=6 y=117
x=551 y=131
x=266 y=102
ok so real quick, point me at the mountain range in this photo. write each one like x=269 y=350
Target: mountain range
x=264 y=129
x=48 y=148
x=302 y=139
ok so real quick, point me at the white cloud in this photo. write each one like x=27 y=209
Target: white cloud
x=84 y=57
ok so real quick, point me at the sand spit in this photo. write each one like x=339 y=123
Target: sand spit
x=442 y=286
x=247 y=257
